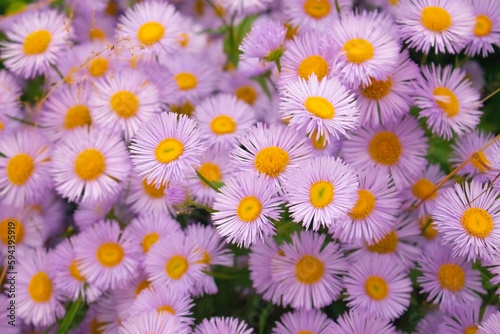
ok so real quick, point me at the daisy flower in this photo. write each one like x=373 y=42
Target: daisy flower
x=24 y=167
x=444 y=25
x=264 y=41
x=325 y=108
x=153 y=322
x=428 y=229
x=370 y=48
x=309 y=271
x=468 y=217
x=192 y=39
x=222 y=119
x=245 y=7
x=245 y=209
x=223 y=325
x=124 y=100
x=449 y=280
x=490 y=325
x=92 y=24
x=88 y=214
x=107 y=257
x=270 y=150
x=430 y=322
x=38 y=300
x=384 y=101
x=465 y=320
x=89 y=164
x=398 y=147
x=374 y=213
x=34 y=42
x=124 y=297
x=378 y=286
x=356 y=322
x=151 y=28
x=147 y=197
x=302 y=321
x=10 y=100
x=310 y=15
x=447 y=100
x=320 y=190
x=493 y=172
x=165 y=148
x=486 y=32
x=8 y=314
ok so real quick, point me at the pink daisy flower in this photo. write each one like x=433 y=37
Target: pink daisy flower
x=465 y=320
x=153 y=322
x=10 y=95
x=356 y=322
x=147 y=197
x=245 y=7
x=310 y=15
x=223 y=325
x=492 y=173
x=302 y=321
x=486 y=32
x=490 y=325
x=264 y=41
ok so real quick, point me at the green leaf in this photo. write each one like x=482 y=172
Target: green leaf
x=215 y=185
x=74 y=316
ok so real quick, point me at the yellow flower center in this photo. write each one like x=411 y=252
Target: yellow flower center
x=186 y=80
x=98 y=67
x=211 y=172
x=358 y=50
x=2 y=126
x=149 y=240
x=309 y=269
x=20 y=168
x=96 y=327
x=249 y=209
x=430 y=231
x=422 y=188
x=246 y=94
x=183 y=39
x=185 y=109
x=385 y=148
x=90 y=164
x=168 y=150
x=321 y=194
x=377 y=89
x=124 y=103
x=150 y=33
x=152 y=190
x=318 y=142
x=165 y=308
x=313 y=64
x=320 y=107
x=451 y=277
x=111 y=8
x=477 y=222
x=36 y=42
x=271 y=161
x=206 y=259
x=110 y=254
x=317 y=9
x=223 y=125
x=364 y=205
x=96 y=33
x=483 y=26
x=143 y=285
x=436 y=19
x=176 y=267
x=40 y=287
x=75 y=272
x=18 y=230
x=471 y=330
x=393 y=2
x=447 y=101
x=387 y=245
x=78 y=115
x=376 y=288
x=199 y=7
x=306 y=332
x=480 y=161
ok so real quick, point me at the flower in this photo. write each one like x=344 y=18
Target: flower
x=264 y=41
x=486 y=32
x=223 y=325
x=147 y=197
x=310 y=15
x=245 y=7
x=153 y=322
x=465 y=320
x=356 y=322
x=302 y=321
x=493 y=172
x=490 y=325
x=10 y=94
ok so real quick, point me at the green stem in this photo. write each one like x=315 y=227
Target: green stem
x=22 y=121
x=70 y=315
x=55 y=68
x=263 y=317
x=209 y=183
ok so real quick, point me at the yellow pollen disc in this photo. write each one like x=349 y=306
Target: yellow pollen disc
x=176 y=267
x=318 y=142
x=2 y=126
x=471 y=330
x=422 y=188
x=90 y=164
x=149 y=240
x=320 y=107
x=271 y=161
x=165 y=308
x=364 y=206
x=211 y=172
x=111 y=8
x=358 y=50
x=387 y=245
x=451 y=277
x=430 y=231
x=143 y=285
x=185 y=109
x=168 y=150
x=186 y=80
x=309 y=269
x=124 y=103
x=313 y=64
x=152 y=190
x=483 y=26
x=110 y=254
x=393 y=2
x=223 y=125
x=98 y=67
x=305 y=332
x=376 y=288
x=436 y=19
x=40 y=287
x=246 y=94
x=447 y=101
x=78 y=115
x=317 y=9
x=4 y=230
x=96 y=327
x=75 y=272
x=477 y=222
x=199 y=7
x=19 y=169
x=249 y=209
x=321 y=194
x=36 y=42
x=480 y=162
x=377 y=89
x=150 y=33
x=385 y=148
x=96 y=33
x=183 y=39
